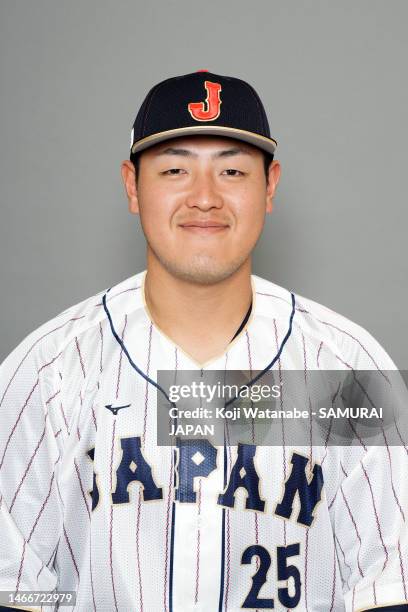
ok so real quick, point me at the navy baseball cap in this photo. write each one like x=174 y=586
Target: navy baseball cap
x=201 y=103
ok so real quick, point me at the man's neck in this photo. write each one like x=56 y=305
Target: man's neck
x=201 y=319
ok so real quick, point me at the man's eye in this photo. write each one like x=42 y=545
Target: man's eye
x=173 y=171
x=233 y=172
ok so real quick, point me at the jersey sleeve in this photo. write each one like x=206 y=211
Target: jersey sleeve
x=30 y=507
x=370 y=529
x=370 y=513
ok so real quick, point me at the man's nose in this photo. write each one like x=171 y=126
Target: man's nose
x=204 y=193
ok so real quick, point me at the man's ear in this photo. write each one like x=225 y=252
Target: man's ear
x=274 y=171
x=129 y=180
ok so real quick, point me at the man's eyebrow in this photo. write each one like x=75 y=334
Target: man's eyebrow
x=233 y=151
x=176 y=151
x=187 y=153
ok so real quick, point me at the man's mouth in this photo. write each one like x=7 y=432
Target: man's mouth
x=207 y=227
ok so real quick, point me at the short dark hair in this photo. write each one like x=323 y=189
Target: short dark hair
x=267 y=157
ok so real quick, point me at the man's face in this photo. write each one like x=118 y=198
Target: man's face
x=202 y=202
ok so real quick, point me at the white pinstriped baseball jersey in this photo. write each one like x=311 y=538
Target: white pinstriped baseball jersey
x=90 y=503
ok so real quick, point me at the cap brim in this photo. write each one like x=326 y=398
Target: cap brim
x=266 y=144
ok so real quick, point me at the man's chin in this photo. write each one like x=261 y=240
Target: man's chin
x=204 y=271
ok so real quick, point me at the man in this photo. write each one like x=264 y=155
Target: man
x=92 y=503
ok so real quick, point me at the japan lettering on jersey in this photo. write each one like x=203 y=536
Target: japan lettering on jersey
x=90 y=503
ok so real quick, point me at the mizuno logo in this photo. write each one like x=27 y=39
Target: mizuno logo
x=114 y=409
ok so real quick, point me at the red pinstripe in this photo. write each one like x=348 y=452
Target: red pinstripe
x=333 y=500
x=52 y=397
x=253 y=441
x=282 y=422
x=281 y=407
x=197 y=579
x=167 y=532
x=377 y=520
x=198 y=541
x=169 y=500
x=71 y=551
x=318 y=354
x=82 y=489
x=337 y=543
x=391 y=478
x=17 y=421
x=147 y=384
x=402 y=571
x=90 y=571
x=404 y=444
x=80 y=357
x=111 y=517
x=49 y=560
x=139 y=570
x=227 y=511
x=342 y=361
x=139 y=508
x=94 y=418
x=228 y=572
x=21 y=566
x=304 y=358
x=28 y=465
x=306 y=551
x=278 y=297
x=334 y=578
x=310 y=436
x=64 y=417
x=59 y=493
x=101 y=353
x=356 y=435
x=112 y=297
x=120 y=358
x=330 y=428
x=356 y=530
x=42 y=508
x=310 y=403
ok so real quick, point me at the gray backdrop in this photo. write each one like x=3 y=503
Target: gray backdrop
x=332 y=76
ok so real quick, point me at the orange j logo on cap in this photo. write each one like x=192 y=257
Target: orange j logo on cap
x=210 y=109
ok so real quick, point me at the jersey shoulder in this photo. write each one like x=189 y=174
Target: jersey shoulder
x=51 y=338
x=318 y=324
